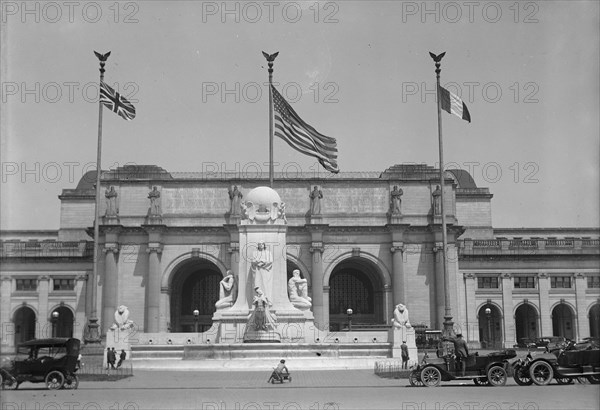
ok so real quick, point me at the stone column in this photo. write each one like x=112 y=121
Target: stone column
x=507 y=307
x=326 y=307
x=439 y=301
x=164 y=324
x=318 y=307
x=44 y=324
x=110 y=285
x=8 y=330
x=471 y=308
x=583 y=323
x=81 y=290
x=398 y=281
x=545 y=313
x=388 y=313
x=153 y=291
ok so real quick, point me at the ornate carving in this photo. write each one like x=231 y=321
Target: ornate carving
x=298 y=291
x=158 y=248
x=543 y=275
x=397 y=248
x=227 y=291
x=396 y=200
x=506 y=275
x=155 y=205
x=111 y=247
x=112 y=208
x=236 y=201
x=315 y=201
x=469 y=275
x=437 y=200
x=82 y=277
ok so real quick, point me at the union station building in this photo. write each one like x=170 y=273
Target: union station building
x=358 y=252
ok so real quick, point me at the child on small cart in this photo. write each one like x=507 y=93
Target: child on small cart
x=278 y=373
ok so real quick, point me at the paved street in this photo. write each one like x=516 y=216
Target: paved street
x=350 y=389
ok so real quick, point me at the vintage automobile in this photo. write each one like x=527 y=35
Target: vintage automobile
x=483 y=370
x=51 y=361
x=563 y=364
x=525 y=343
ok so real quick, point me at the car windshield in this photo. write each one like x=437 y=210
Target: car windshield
x=55 y=352
x=23 y=353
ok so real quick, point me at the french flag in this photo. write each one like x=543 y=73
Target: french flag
x=453 y=104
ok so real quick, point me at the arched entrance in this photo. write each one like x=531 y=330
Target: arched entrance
x=526 y=322
x=562 y=321
x=490 y=327
x=594 y=316
x=355 y=284
x=195 y=286
x=24 y=320
x=62 y=322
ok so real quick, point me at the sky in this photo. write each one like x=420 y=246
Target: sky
x=358 y=71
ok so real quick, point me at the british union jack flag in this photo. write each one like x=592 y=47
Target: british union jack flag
x=116 y=102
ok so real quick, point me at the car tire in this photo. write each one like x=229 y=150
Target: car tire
x=482 y=381
x=71 y=382
x=413 y=379
x=55 y=380
x=594 y=379
x=541 y=373
x=522 y=378
x=496 y=375
x=431 y=376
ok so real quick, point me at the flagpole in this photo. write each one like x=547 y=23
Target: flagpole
x=270 y=59
x=94 y=335
x=448 y=324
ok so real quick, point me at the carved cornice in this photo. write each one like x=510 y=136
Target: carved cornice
x=111 y=247
x=542 y=275
x=154 y=247
x=506 y=275
x=579 y=275
x=470 y=275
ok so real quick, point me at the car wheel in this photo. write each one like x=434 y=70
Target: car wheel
x=414 y=380
x=564 y=380
x=8 y=383
x=71 y=382
x=594 y=379
x=54 y=380
x=431 y=376
x=482 y=381
x=497 y=376
x=541 y=373
x=522 y=378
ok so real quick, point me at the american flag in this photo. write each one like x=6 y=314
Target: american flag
x=116 y=102
x=301 y=136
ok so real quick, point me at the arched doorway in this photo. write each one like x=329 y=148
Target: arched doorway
x=62 y=322
x=594 y=316
x=24 y=320
x=355 y=284
x=195 y=286
x=526 y=322
x=490 y=327
x=562 y=321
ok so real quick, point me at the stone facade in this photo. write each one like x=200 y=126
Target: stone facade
x=355 y=254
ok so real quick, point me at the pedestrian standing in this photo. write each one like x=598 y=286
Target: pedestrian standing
x=122 y=358
x=405 y=357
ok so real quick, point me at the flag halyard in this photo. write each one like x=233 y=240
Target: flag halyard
x=301 y=136
x=452 y=104
x=116 y=102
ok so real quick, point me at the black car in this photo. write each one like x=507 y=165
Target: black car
x=564 y=364
x=51 y=361
x=483 y=370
